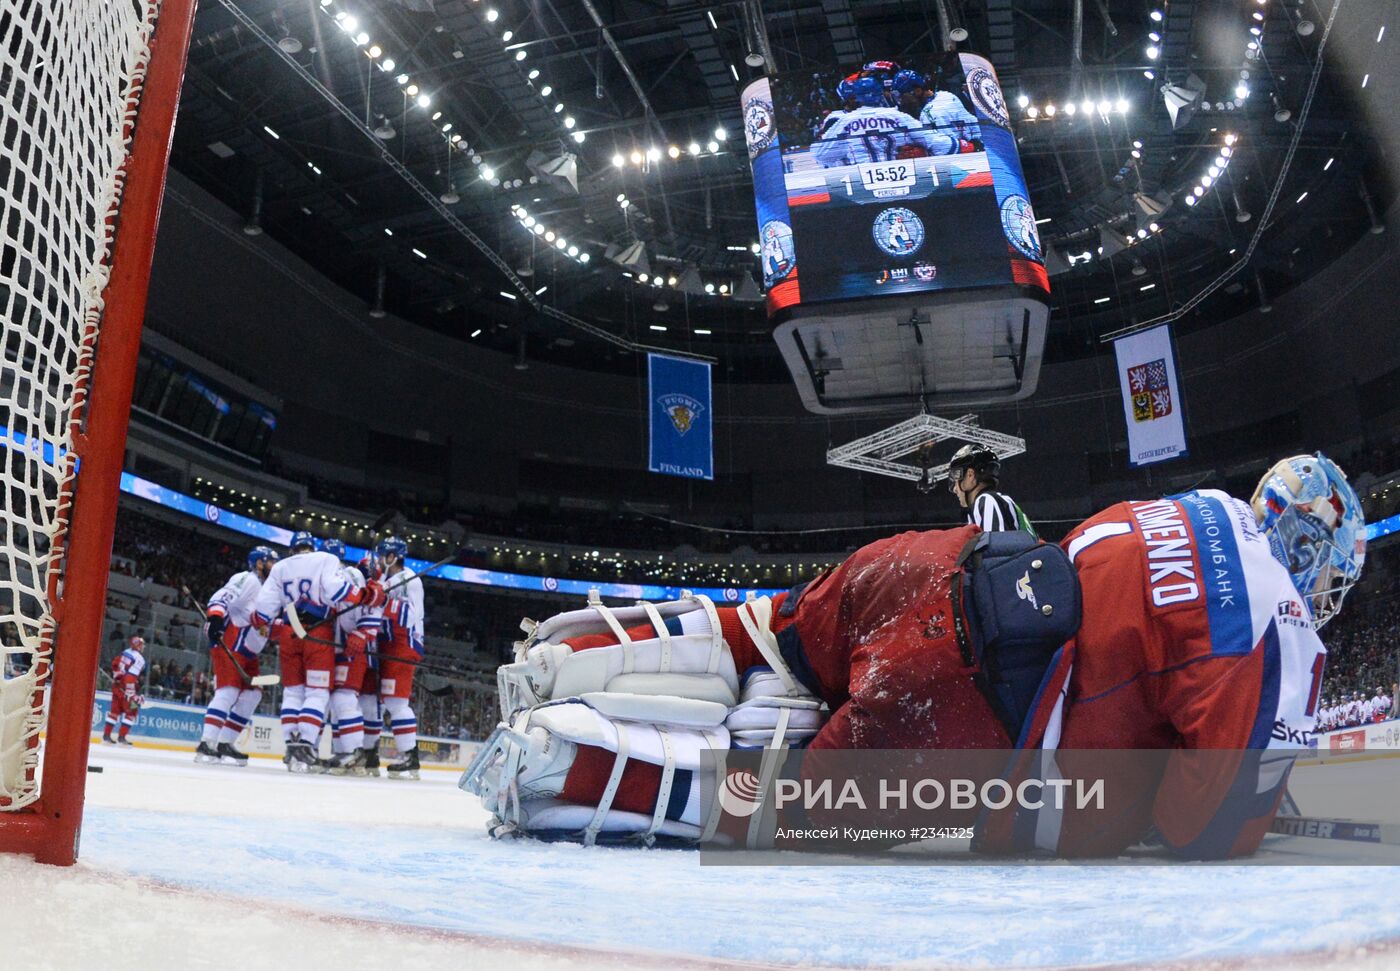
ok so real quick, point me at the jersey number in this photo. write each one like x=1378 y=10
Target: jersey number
x=1317 y=667
x=303 y=590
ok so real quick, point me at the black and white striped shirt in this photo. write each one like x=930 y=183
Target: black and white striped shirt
x=993 y=511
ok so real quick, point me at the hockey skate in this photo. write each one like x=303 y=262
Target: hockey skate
x=228 y=755
x=370 y=766
x=107 y=737
x=302 y=760
x=406 y=767
x=206 y=753
x=123 y=740
x=348 y=763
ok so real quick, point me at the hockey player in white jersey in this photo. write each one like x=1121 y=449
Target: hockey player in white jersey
x=872 y=131
x=355 y=630
x=234 y=646
x=942 y=111
x=308 y=587
x=401 y=644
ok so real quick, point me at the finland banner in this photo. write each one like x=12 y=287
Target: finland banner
x=682 y=435
x=1151 y=396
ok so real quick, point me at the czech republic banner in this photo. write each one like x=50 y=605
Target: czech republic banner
x=1151 y=396
x=682 y=431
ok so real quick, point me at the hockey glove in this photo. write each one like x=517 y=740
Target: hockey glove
x=370 y=595
x=215 y=628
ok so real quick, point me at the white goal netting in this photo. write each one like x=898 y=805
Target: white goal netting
x=71 y=73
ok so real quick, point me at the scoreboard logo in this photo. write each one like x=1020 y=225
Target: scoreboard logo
x=759 y=130
x=986 y=95
x=898 y=232
x=1018 y=222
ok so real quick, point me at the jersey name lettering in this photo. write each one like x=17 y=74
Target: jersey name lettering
x=1168 y=552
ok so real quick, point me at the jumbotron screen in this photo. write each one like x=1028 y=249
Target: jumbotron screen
x=888 y=179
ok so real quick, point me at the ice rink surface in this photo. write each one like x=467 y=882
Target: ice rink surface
x=211 y=866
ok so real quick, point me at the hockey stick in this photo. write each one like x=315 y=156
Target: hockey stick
x=256 y=681
x=393 y=586
x=1348 y=830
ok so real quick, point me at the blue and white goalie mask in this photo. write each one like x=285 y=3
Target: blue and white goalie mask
x=1315 y=527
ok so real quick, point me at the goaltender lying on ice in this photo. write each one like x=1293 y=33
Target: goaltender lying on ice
x=1186 y=623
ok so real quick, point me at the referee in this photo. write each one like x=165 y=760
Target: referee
x=973 y=478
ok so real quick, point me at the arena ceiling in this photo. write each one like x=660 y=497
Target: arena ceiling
x=282 y=98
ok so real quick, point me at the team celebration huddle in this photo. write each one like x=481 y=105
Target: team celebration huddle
x=348 y=637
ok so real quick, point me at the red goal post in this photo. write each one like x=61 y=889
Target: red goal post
x=87 y=112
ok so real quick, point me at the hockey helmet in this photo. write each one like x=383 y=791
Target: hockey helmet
x=391 y=546
x=906 y=81
x=862 y=90
x=259 y=553
x=302 y=539
x=335 y=547
x=972 y=456
x=1315 y=527
x=136 y=643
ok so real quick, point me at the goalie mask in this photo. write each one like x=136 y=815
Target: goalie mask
x=1313 y=521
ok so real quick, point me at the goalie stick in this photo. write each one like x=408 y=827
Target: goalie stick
x=257 y=681
x=1348 y=830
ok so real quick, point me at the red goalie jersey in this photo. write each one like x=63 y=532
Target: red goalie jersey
x=1193 y=639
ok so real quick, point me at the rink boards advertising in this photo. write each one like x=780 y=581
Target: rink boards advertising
x=170 y=724
x=888 y=179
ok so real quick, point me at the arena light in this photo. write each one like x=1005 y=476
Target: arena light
x=712 y=147
x=492 y=15
x=1153 y=52
x=506 y=37
x=402 y=79
x=509 y=296
x=1032 y=112
x=721 y=134
x=424 y=100
x=693 y=148
x=375 y=51
x=618 y=161
x=1023 y=101
x=546 y=91
x=534 y=73
x=579 y=137
x=1156 y=16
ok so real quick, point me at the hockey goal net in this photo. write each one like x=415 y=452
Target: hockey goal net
x=88 y=90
